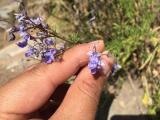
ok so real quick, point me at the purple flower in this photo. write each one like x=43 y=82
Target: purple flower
x=37 y=21
x=22 y=43
x=20 y=17
x=28 y=21
x=94 y=62
x=31 y=51
x=49 y=56
x=25 y=35
x=45 y=26
x=115 y=68
x=22 y=28
x=43 y=46
x=49 y=41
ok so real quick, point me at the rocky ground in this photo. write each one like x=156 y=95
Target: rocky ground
x=128 y=102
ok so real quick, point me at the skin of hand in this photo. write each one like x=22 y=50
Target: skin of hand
x=28 y=92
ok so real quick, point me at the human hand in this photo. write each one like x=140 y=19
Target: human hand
x=29 y=91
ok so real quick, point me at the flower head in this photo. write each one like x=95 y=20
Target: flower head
x=36 y=34
x=49 y=56
x=115 y=68
x=31 y=51
x=94 y=61
x=37 y=20
x=49 y=41
x=20 y=17
x=26 y=37
x=22 y=43
x=22 y=28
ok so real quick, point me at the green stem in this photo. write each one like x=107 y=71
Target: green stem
x=55 y=34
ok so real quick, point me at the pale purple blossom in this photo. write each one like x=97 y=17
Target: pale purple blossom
x=49 y=56
x=23 y=43
x=31 y=51
x=37 y=36
x=94 y=61
x=115 y=68
x=20 y=17
x=37 y=20
x=49 y=41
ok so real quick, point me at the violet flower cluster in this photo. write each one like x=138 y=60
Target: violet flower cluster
x=40 y=40
x=94 y=61
x=38 y=37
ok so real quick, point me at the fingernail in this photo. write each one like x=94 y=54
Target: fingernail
x=108 y=61
x=109 y=55
x=96 y=43
x=106 y=68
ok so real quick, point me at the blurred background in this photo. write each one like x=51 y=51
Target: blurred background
x=130 y=30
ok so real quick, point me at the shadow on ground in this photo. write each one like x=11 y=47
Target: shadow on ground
x=104 y=105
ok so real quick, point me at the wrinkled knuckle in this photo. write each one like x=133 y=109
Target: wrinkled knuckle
x=90 y=88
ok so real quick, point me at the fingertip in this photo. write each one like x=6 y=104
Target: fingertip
x=107 y=63
x=79 y=53
x=99 y=45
